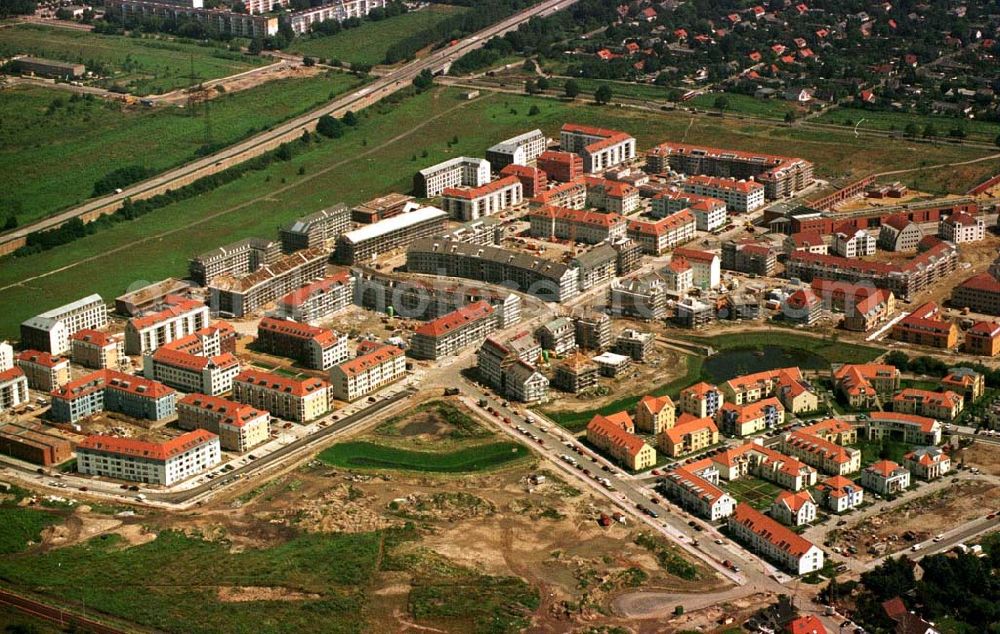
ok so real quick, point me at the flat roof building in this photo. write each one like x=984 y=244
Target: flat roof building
x=364 y=244
x=461 y=171
x=319 y=230
x=51 y=330
x=522 y=149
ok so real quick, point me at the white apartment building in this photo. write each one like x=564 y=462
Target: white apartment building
x=51 y=331
x=765 y=536
x=599 y=148
x=96 y=349
x=461 y=171
x=302 y=21
x=6 y=356
x=474 y=203
x=239 y=427
x=885 y=477
x=854 y=245
x=794 y=509
x=191 y=373
x=656 y=238
x=739 y=195
x=840 y=494
x=696 y=488
x=319 y=300
x=706 y=267
x=709 y=215
x=522 y=149
x=524 y=383
x=181 y=317
x=13 y=389
x=367 y=373
x=590 y=227
x=962 y=227
x=300 y=400
x=164 y=463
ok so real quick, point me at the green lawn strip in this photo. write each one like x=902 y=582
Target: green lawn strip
x=754 y=491
x=744 y=104
x=368 y=43
x=367 y=455
x=975 y=129
x=873 y=450
x=832 y=350
x=52 y=160
x=18 y=526
x=142 y=65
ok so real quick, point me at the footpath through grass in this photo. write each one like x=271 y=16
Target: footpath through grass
x=54 y=147
x=368 y=455
x=140 y=65
x=368 y=43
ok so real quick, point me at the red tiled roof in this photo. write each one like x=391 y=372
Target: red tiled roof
x=938 y=399
x=278 y=383
x=663 y=226
x=455 y=319
x=677 y=432
x=369 y=360
x=324 y=336
x=11 y=374
x=580 y=216
x=794 y=501
x=698 y=389
x=301 y=295
x=808 y=624
x=95 y=337
x=176 y=306
x=780 y=536
x=477 y=192
x=885 y=468
x=926 y=424
x=41 y=358
x=655 y=404
x=230 y=412
x=134 y=448
x=187 y=361
x=807 y=238
x=724 y=183
x=112 y=379
x=982 y=282
x=602 y=426
x=989 y=329
x=694 y=255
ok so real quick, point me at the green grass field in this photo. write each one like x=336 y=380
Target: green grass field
x=831 y=350
x=52 y=155
x=367 y=455
x=21 y=526
x=381 y=155
x=983 y=131
x=368 y=43
x=142 y=66
x=745 y=104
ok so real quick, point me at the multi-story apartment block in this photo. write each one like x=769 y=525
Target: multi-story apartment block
x=839 y=494
x=560 y=166
x=522 y=149
x=611 y=196
x=240 y=296
x=368 y=372
x=781 y=176
x=496 y=356
x=13 y=389
x=825 y=455
x=473 y=203
x=599 y=148
x=900 y=427
x=51 y=331
x=214 y=20
x=590 y=227
x=570 y=195
x=642 y=297
x=576 y=374
x=593 y=330
x=865 y=385
x=961 y=227
x=701 y=400
x=869 y=310
x=679 y=276
x=807 y=241
x=364 y=244
x=672 y=200
x=706 y=267
x=691 y=313
x=316 y=348
x=113 y=391
x=794 y=509
x=179 y=318
x=899 y=233
x=190 y=366
x=903 y=279
x=98 y=350
x=45 y=372
x=595 y=266
x=620 y=445
x=802 y=307
x=966 y=381
x=524 y=383
x=316 y=231
x=923 y=326
x=940 y=405
x=753 y=387
x=979 y=293
x=558 y=335
x=833 y=430
x=688 y=435
x=635 y=344
x=885 y=477
x=769 y=538
x=740 y=196
x=533 y=180
x=751 y=418
x=927 y=463
x=545 y=279
x=983 y=338
x=654 y=414
x=749 y=257
x=382 y=207
x=461 y=171
x=853 y=243
x=302 y=21
x=163 y=463
x=34 y=443
x=319 y=300
x=658 y=237
x=6 y=356
x=150 y=297
x=300 y=400
x=448 y=334
x=239 y=427
x=695 y=487
x=234 y=260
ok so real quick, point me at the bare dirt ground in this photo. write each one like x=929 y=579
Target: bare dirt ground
x=239 y=594
x=855 y=204
x=920 y=519
x=986 y=457
x=243 y=81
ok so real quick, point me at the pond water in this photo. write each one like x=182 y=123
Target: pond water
x=727 y=364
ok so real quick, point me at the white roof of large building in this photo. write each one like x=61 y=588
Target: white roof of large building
x=611 y=358
x=48 y=318
x=458 y=160
x=510 y=145
x=395 y=223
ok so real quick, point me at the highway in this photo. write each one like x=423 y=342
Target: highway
x=388 y=84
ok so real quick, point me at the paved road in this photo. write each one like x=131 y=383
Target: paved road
x=396 y=80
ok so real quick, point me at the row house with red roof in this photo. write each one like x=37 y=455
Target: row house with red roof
x=289 y=398
x=98 y=350
x=314 y=347
x=446 y=335
x=320 y=299
x=43 y=370
x=945 y=405
x=767 y=537
x=200 y=362
x=571 y=194
x=611 y=196
x=820 y=449
x=590 y=227
x=757 y=460
x=983 y=338
x=614 y=435
x=473 y=203
x=925 y=326
x=239 y=427
x=599 y=148
x=658 y=237
x=794 y=509
x=695 y=487
x=163 y=463
x=741 y=196
x=368 y=372
x=179 y=318
x=689 y=435
x=786 y=384
x=885 y=477
x=979 y=293
x=653 y=414
x=113 y=391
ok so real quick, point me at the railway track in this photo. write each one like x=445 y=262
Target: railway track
x=39 y=610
